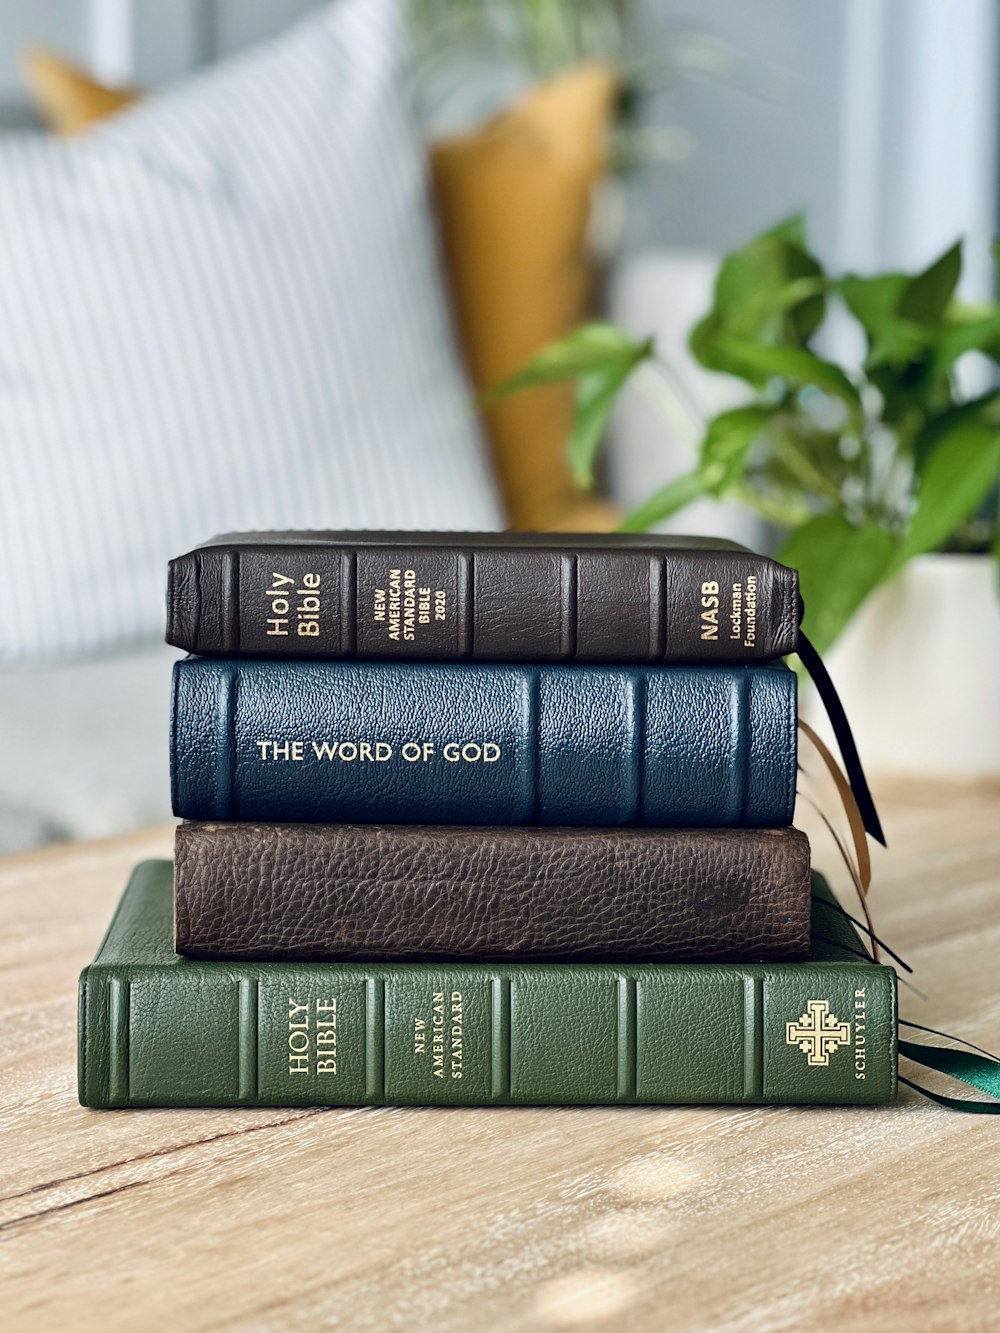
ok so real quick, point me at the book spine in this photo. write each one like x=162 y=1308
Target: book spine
x=343 y=892
x=212 y=1034
x=474 y=744
x=493 y=604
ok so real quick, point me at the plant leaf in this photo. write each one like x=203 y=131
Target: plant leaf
x=675 y=495
x=962 y=466
x=750 y=280
x=772 y=291
x=873 y=301
x=592 y=347
x=839 y=564
x=702 y=341
x=980 y=333
x=600 y=357
x=595 y=397
x=726 y=447
x=797 y=364
x=765 y=263
x=906 y=322
x=899 y=345
x=791 y=229
x=984 y=409
x=926 y=297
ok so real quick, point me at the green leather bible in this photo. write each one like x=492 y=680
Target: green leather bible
x=159 y=1030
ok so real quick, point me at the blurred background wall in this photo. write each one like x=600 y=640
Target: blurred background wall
x=877 y=117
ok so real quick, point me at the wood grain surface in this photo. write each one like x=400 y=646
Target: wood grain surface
x=447 y=1220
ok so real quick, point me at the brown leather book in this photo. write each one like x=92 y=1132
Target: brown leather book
x=482 y=596
x=377 y=892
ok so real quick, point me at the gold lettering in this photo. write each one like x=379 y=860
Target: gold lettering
x=348 y=751
x=860 y=1030
x=280 y=607
x=287 y=750
x=405 y=605
x=709 y=610
x=736 y=613
x=437 y=1035
x=303 y=1045
x=750 y=631
x=394 y=604
x=414 y=752
x=377 y=752
x=471 y=752
x=298 y=1037
x=457 y=1035
x=326 y=1036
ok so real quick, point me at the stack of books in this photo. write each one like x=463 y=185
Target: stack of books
x=483 y=819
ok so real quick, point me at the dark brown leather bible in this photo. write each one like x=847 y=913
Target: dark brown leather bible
x=379 y=892
x=486 y=596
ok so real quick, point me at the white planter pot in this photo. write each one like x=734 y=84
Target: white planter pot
x=918 y=671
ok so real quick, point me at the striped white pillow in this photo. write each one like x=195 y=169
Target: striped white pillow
x=222 y=310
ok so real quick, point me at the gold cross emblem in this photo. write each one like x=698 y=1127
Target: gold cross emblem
x=817 y=1033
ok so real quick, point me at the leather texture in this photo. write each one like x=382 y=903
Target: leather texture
x=527 y=597
x=661 y=746
x=160 y=1030
x=357 y=891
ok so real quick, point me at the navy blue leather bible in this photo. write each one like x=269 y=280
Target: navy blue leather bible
x=483 y=744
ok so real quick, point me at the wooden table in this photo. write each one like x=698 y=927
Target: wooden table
x=637 y=1219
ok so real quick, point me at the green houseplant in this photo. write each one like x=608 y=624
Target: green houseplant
x=861 y=467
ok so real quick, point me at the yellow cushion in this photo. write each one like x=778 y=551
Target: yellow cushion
x=513 y=201
x=514 y=198
x=66 y=97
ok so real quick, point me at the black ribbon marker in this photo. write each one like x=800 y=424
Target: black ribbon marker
x=827 y=691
